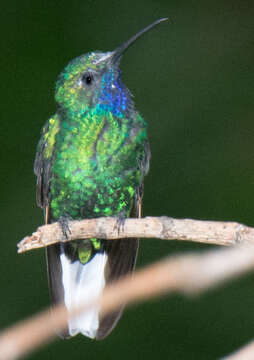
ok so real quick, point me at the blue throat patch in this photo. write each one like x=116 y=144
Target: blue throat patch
x=114 y=96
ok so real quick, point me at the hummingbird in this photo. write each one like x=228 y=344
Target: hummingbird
x=91 y=161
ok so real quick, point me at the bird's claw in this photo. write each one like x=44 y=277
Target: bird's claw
x=119 y=225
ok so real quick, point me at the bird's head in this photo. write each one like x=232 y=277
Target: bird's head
x=93 y=81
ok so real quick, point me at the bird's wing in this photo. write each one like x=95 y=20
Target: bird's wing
x=43 y=161
x=42 y=169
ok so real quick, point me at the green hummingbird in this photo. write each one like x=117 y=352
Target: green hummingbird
x=91 y=161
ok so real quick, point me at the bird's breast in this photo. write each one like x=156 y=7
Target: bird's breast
x=95 y=170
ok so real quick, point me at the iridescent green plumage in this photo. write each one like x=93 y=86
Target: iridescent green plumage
x=91 y=161
x=96 y=161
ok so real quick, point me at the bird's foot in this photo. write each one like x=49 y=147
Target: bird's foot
x=120 y=221
x=64 y=224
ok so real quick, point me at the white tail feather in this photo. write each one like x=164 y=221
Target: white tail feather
x=82 y=282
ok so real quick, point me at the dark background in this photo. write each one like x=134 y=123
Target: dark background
x=193 y=81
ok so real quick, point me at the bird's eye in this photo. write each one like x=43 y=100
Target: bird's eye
x=87 y=79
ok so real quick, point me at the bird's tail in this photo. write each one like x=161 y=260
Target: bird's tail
x=83 y=282
x=72 y=280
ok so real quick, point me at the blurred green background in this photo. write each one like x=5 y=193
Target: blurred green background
x=193 y=80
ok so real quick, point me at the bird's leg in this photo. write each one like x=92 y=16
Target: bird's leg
x=120 y=221
x=64 y=224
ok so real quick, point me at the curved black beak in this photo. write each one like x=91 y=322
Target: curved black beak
x=119 y=51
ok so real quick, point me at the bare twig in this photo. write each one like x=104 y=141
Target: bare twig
x=245 y=353
x=187 y=274
x=209 y=232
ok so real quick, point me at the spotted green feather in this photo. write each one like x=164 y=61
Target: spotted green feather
x=96 y=160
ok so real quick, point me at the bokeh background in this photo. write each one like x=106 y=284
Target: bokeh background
x=193 y=80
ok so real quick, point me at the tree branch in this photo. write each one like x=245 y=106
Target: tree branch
x=245 y=353
x=188 y=274
x=166 y=228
